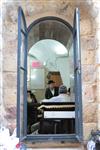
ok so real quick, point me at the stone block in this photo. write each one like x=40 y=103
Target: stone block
x=88 y=57
x=9 y=31
x=87 y=127
x=10 y=97
x=90 y=113
x=10 y=112
x=10 y=63
x=85 y=27
x=89 y=92
x=9 y=80
x=12 y=8
x=10 y=48
x=89 y=74
x=89 y=43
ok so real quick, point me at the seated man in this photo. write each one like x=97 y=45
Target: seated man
x=59 y=126
x=31 y=110
x=62 y=97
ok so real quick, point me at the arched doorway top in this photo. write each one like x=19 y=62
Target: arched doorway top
x=50 y=27
x=49 y=18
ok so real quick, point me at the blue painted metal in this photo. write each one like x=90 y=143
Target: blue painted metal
x=18 y=72
x=25 y=88
x=77 y=74
x=22 y=31
x=52 y=137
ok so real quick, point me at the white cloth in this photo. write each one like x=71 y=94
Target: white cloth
x=59 y=98
x=52 y=91
x=91 y=145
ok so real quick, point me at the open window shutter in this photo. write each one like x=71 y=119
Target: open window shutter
x=77 y=71
x=21 y=76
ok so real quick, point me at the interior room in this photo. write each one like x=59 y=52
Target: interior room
x=50 y=58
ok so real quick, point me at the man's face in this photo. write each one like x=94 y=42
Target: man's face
x=51 y=85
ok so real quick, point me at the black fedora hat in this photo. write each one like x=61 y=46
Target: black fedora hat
x=50 y=81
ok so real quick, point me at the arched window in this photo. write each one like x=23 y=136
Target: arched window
x=52 y=47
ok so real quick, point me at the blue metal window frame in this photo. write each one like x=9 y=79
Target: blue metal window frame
x=24 y=68
x=77 y=75
x=77 y=67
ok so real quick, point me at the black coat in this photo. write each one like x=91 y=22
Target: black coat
x=48 y=93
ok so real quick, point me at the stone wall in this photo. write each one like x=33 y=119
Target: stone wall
x=90 y=66
x=90 y=43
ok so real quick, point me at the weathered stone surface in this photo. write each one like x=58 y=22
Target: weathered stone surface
x=10 y=48
x=10 y=117
x=10 y=113
x=10 y=97
x=10 y=33
x=89 y=73
x=90 y=113
x=12 y=8
x=34 y=7
x=88 y=57
x=87 y=127
x=88 y=43
x=10 y=63
x=85 y=27
x=9 y=80
x=89 y=93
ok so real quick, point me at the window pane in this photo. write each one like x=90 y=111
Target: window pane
x=37 y=79
x=22 y=50
x=21 y=102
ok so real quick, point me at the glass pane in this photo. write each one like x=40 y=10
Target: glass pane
x=71 y=66
x=22 y=53
x=22 y=24
x=37 y=79
x=21 y=102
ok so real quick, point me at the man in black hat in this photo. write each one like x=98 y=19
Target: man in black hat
x=51 y=91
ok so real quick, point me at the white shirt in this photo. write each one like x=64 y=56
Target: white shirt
x=59 y=98
x=52 y=91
